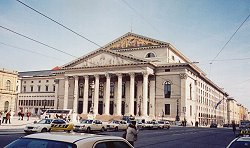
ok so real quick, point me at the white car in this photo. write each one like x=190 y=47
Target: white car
x=241 y=142
x=117 y=125
x=43 y=125
x=46 y=125
x=70 y=140
x=164 y=124
x=151 y=125
x=89 y=126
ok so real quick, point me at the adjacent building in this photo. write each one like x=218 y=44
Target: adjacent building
x=8 y=95
x=37 y=91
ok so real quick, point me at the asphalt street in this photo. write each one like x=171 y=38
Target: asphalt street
x=175 y=137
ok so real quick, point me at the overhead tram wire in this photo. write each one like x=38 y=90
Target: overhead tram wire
x=59 y=23
x=230 y=39
x=85 y=37
x=38 y=41
x=31 y=51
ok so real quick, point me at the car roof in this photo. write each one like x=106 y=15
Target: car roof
x=243 y=139
x=71 y=137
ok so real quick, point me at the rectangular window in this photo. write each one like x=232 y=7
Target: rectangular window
x=167 y=109
x=24 y=88
x=38 y=88
x=167 y=70
x=190 y=110
x=31 y=88
x=46 y=88
x=54 y=88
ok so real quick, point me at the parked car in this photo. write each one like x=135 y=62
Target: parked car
x=213 y=125
x=240 y=142
x=151 y=125
x=46 y=125
x=164 y=124
x=69 y=140
x=117 y=125
x=89 y=126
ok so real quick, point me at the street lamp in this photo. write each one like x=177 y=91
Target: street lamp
x=177 y=118
x=139 y=106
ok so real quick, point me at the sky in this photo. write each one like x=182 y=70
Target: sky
x=197 y=28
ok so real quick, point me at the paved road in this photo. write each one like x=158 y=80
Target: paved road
x=176 y=137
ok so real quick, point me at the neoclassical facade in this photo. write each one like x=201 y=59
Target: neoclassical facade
x=8 y=95
x=140 y=76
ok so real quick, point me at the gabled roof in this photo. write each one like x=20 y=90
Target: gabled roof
x=88 y=62
x=131 y=40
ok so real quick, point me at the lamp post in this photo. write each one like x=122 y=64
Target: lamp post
x=177 y=118
x=139 y=106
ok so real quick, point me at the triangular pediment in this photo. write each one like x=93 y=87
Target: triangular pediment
x=103 y=58
x=131 y=40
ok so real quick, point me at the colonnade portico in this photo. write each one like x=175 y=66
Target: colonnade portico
x=118 y=100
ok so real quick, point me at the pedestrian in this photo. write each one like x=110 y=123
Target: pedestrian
x=7 y=117
x=28 y=115
x=19 y=114
x=4 y=116
x=132 y=132
x=234 y=127
x=22 y=114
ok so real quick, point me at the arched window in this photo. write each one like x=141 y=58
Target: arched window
x=150 y=55
x=6 y=105
x=167 y=89
x=8 y=83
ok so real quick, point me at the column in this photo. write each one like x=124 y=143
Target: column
x=145 y=95
x=107 y=95
x=56 y=104
x=152 y=98
x=85 y=95
x=132 y=93
x=66 y=93
x=119 y=96
x=96 y=95
x=75 y=94
x=182 y=101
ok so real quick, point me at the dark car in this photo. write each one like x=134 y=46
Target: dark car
x=213 y=125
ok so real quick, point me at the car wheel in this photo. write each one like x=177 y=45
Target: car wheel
x=44 y=130
x=168 y=127
x=162 y=127
x=103 y=129
x=49 y=130
x=116 y=128
x=88 y=130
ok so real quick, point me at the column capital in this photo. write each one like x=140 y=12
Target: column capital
x=119 y=74
x=96 y=75
x=145 y=73
x=76 y=77
x=86 y=76
x=183 y=75
x=132 y=74
x=66 y=77
x=108 y=75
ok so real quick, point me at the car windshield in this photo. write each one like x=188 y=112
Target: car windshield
x=87 y=121
x=242 y=144
x=161 y=122
x=44 y=121
x=149 y=122
x=39 y=143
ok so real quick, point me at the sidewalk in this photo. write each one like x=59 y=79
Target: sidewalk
x=17 y=124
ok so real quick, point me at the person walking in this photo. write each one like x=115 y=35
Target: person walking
x=7 y=117
x=28 y=115
x=132 y=133
x=234 y=127
x=4 y=116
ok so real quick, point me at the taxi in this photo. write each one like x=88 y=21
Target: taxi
x=47 y=125
x=117 y=125
x=89 y=126
x=151 y=125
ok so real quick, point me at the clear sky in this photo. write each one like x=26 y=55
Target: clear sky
x=198 y=28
